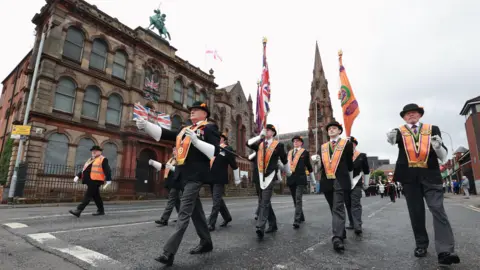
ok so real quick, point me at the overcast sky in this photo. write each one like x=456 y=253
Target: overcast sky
x=395 y=52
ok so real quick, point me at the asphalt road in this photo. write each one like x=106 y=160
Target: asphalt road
x=126 y=238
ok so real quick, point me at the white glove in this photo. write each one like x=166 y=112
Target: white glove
x=280 y=165
x=108 y=183
x=312 y=178
x=392 y=136
x=279 y=177
x=236 y=176
x=157 y=165
x=204 y=147
x=439 y=150
x=287 y=169
x=366 y=180
x=170 y=167
x=252 y=156
x=141 y=123
x=263 y=133
x=315 y=158
x=436 y=142
x=193 y=136
x=151 y=129
x=75 y=179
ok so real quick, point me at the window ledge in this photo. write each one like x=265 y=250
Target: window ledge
x=62 y=112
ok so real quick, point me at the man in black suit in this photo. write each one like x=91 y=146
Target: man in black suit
x=336 y=180
x=269 y=152
x=300 y=166
x=417 y=169
x=219 y=178
x=196 y=146
x=361 y=175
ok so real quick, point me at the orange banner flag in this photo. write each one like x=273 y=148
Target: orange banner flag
x=349 y=102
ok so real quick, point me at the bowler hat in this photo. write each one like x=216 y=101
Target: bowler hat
x=200 y=105
x=336 y=124
x=411 y=107
x=224 y=135
x=298 y=137
x=272 y=128
x=353 y=140
x=96 y=148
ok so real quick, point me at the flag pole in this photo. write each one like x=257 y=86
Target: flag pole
x=264 y=41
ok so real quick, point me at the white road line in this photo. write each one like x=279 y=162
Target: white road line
x=42 y=237
x=471 y=207
x=86 y=213
x=15 y=225
x=379 y=210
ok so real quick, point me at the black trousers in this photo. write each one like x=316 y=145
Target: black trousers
x=297 y=195
x=93 y=192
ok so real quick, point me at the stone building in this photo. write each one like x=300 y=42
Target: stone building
x=93 y=69
x=286 y=139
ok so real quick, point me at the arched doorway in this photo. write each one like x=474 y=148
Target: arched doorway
x=146 y=175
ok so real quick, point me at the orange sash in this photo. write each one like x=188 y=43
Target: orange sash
x=268 y=155
x=213 y=159
x=183 y=146
x=171 y=161
x=355 y=155
x=330 y=162
x=293 y=164
x=417 y=147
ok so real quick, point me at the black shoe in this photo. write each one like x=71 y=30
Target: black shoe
x=420 y=252
x=166 y=258
x=211 y=228
x=98 y=213
x=162 y=223
x=75 y=212
x=225 y=223
x=272 y=229
x=358 y=232
x=202 y=248
x=296 y=225
x=448 y=258
x=302 y=219
x=349 y=227
x=344 y=236
x=256 y=217
x=260 y=233
x=338 y=244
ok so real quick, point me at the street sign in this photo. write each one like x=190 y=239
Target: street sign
x=21 y=130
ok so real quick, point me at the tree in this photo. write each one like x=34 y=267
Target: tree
x=5 y=161
x=376 y=174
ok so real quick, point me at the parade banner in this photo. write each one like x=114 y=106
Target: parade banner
x=158 y=118
x=263 y=93
x=349 y=102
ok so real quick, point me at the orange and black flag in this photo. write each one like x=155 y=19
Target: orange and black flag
x=349 y=102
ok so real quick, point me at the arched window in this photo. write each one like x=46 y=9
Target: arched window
x=91 y=102
x=83 y=153
x=176 y=122
x=65 y=95
x=56 y=154
x=73 y=46
x=188 y=122
x=190 y=96
x=98 y=58
x=119 y=65
x=110 y=152
x=114 y=110
x=178 y=92
x=151 y=80
x=202 y=97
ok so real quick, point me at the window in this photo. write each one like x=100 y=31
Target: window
x=65 y=95
x=91 y=102
x=73 y=46
x=110 y=152
x=178 y=92
x=151 y=80
x=176 y=122
x=56 y=154
x=202 y=97
x=190 y=96
x=114 y=110
x=477 y=108
x=98 y=58
x=83 y=153
x=119 y=65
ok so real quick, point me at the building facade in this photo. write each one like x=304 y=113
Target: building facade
x=93 y=69
x=471 y=111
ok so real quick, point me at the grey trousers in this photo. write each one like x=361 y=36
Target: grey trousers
x=266 y=211
x=354 y=207
x=190 y=206
x=173 y=202
x=338 y=210
x=218 y=205
x=259 y=195
x=415 y=192
x=297 y=195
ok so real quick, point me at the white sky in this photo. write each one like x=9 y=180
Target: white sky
x=395 y=52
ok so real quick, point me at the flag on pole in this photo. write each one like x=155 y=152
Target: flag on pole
x=215 y=54
x=263 y=92
x=349 y=102
x=160 y=119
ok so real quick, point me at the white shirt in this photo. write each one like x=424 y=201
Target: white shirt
x=269 y=141
x=410 y=125
x=335 y=139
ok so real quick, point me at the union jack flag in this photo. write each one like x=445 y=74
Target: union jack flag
x=215 y=54
x=164 y=121
x=150 y=83
x=140 y=112
x=263 y=93
x=160 y=119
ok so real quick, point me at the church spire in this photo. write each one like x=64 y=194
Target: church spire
x=317 y=66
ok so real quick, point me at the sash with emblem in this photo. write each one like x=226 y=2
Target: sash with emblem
x=330 y=162
x=183 y=144
x=417 y=146
x=213 y=159
x=293 y=164
x=171 y=161
x=355 y=155
x=261 y=160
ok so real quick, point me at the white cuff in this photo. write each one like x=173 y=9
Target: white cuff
x=441 y=154
x=287 y=169
x=252 y=156
x=366 y=180
x=254 y=140
x=157 y=165
x=205 y=148
x=312 y=178
x=280 y=165
x=153 y=130
x=236 y=176
x=172 y=168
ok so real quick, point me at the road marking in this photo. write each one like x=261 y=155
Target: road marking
x=474 y=208
x=42 y=237
x=15 y=225
x=379 y=210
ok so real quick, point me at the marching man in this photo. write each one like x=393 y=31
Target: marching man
x=219 y=178
x=196 y=146
x=420 y=147
x=336 y=182
x=301 y=167
x=94 y=174
x=174 y=187
x=269 y=152
x=361 y=171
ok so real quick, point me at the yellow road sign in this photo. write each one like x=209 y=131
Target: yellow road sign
x=21 y=130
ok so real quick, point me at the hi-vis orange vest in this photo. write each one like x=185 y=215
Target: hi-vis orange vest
x=96 y=173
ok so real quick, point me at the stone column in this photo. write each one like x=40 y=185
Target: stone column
x=102 y=111
x=87 y=50
x=77 y=108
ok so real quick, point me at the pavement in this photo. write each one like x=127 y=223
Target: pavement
x=126 y=238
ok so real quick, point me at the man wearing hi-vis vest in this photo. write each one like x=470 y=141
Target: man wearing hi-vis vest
x=417 y=169
x=94 y=174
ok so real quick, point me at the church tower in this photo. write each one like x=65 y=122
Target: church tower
x=320 y=111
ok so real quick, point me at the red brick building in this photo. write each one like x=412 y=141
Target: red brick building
x=471 y=111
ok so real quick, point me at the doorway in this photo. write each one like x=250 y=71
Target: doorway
x=145 y=174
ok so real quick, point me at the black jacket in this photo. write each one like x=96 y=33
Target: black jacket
x=342 y=174
x=197 y=165
x=219 y=170
x=361 y=165
x=299 y=177
x=404 y=174
x=278 y=154
x=172 y=180
x=85 y=175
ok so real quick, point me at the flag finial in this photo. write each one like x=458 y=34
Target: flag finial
x=264 y=40
x=340 y=52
